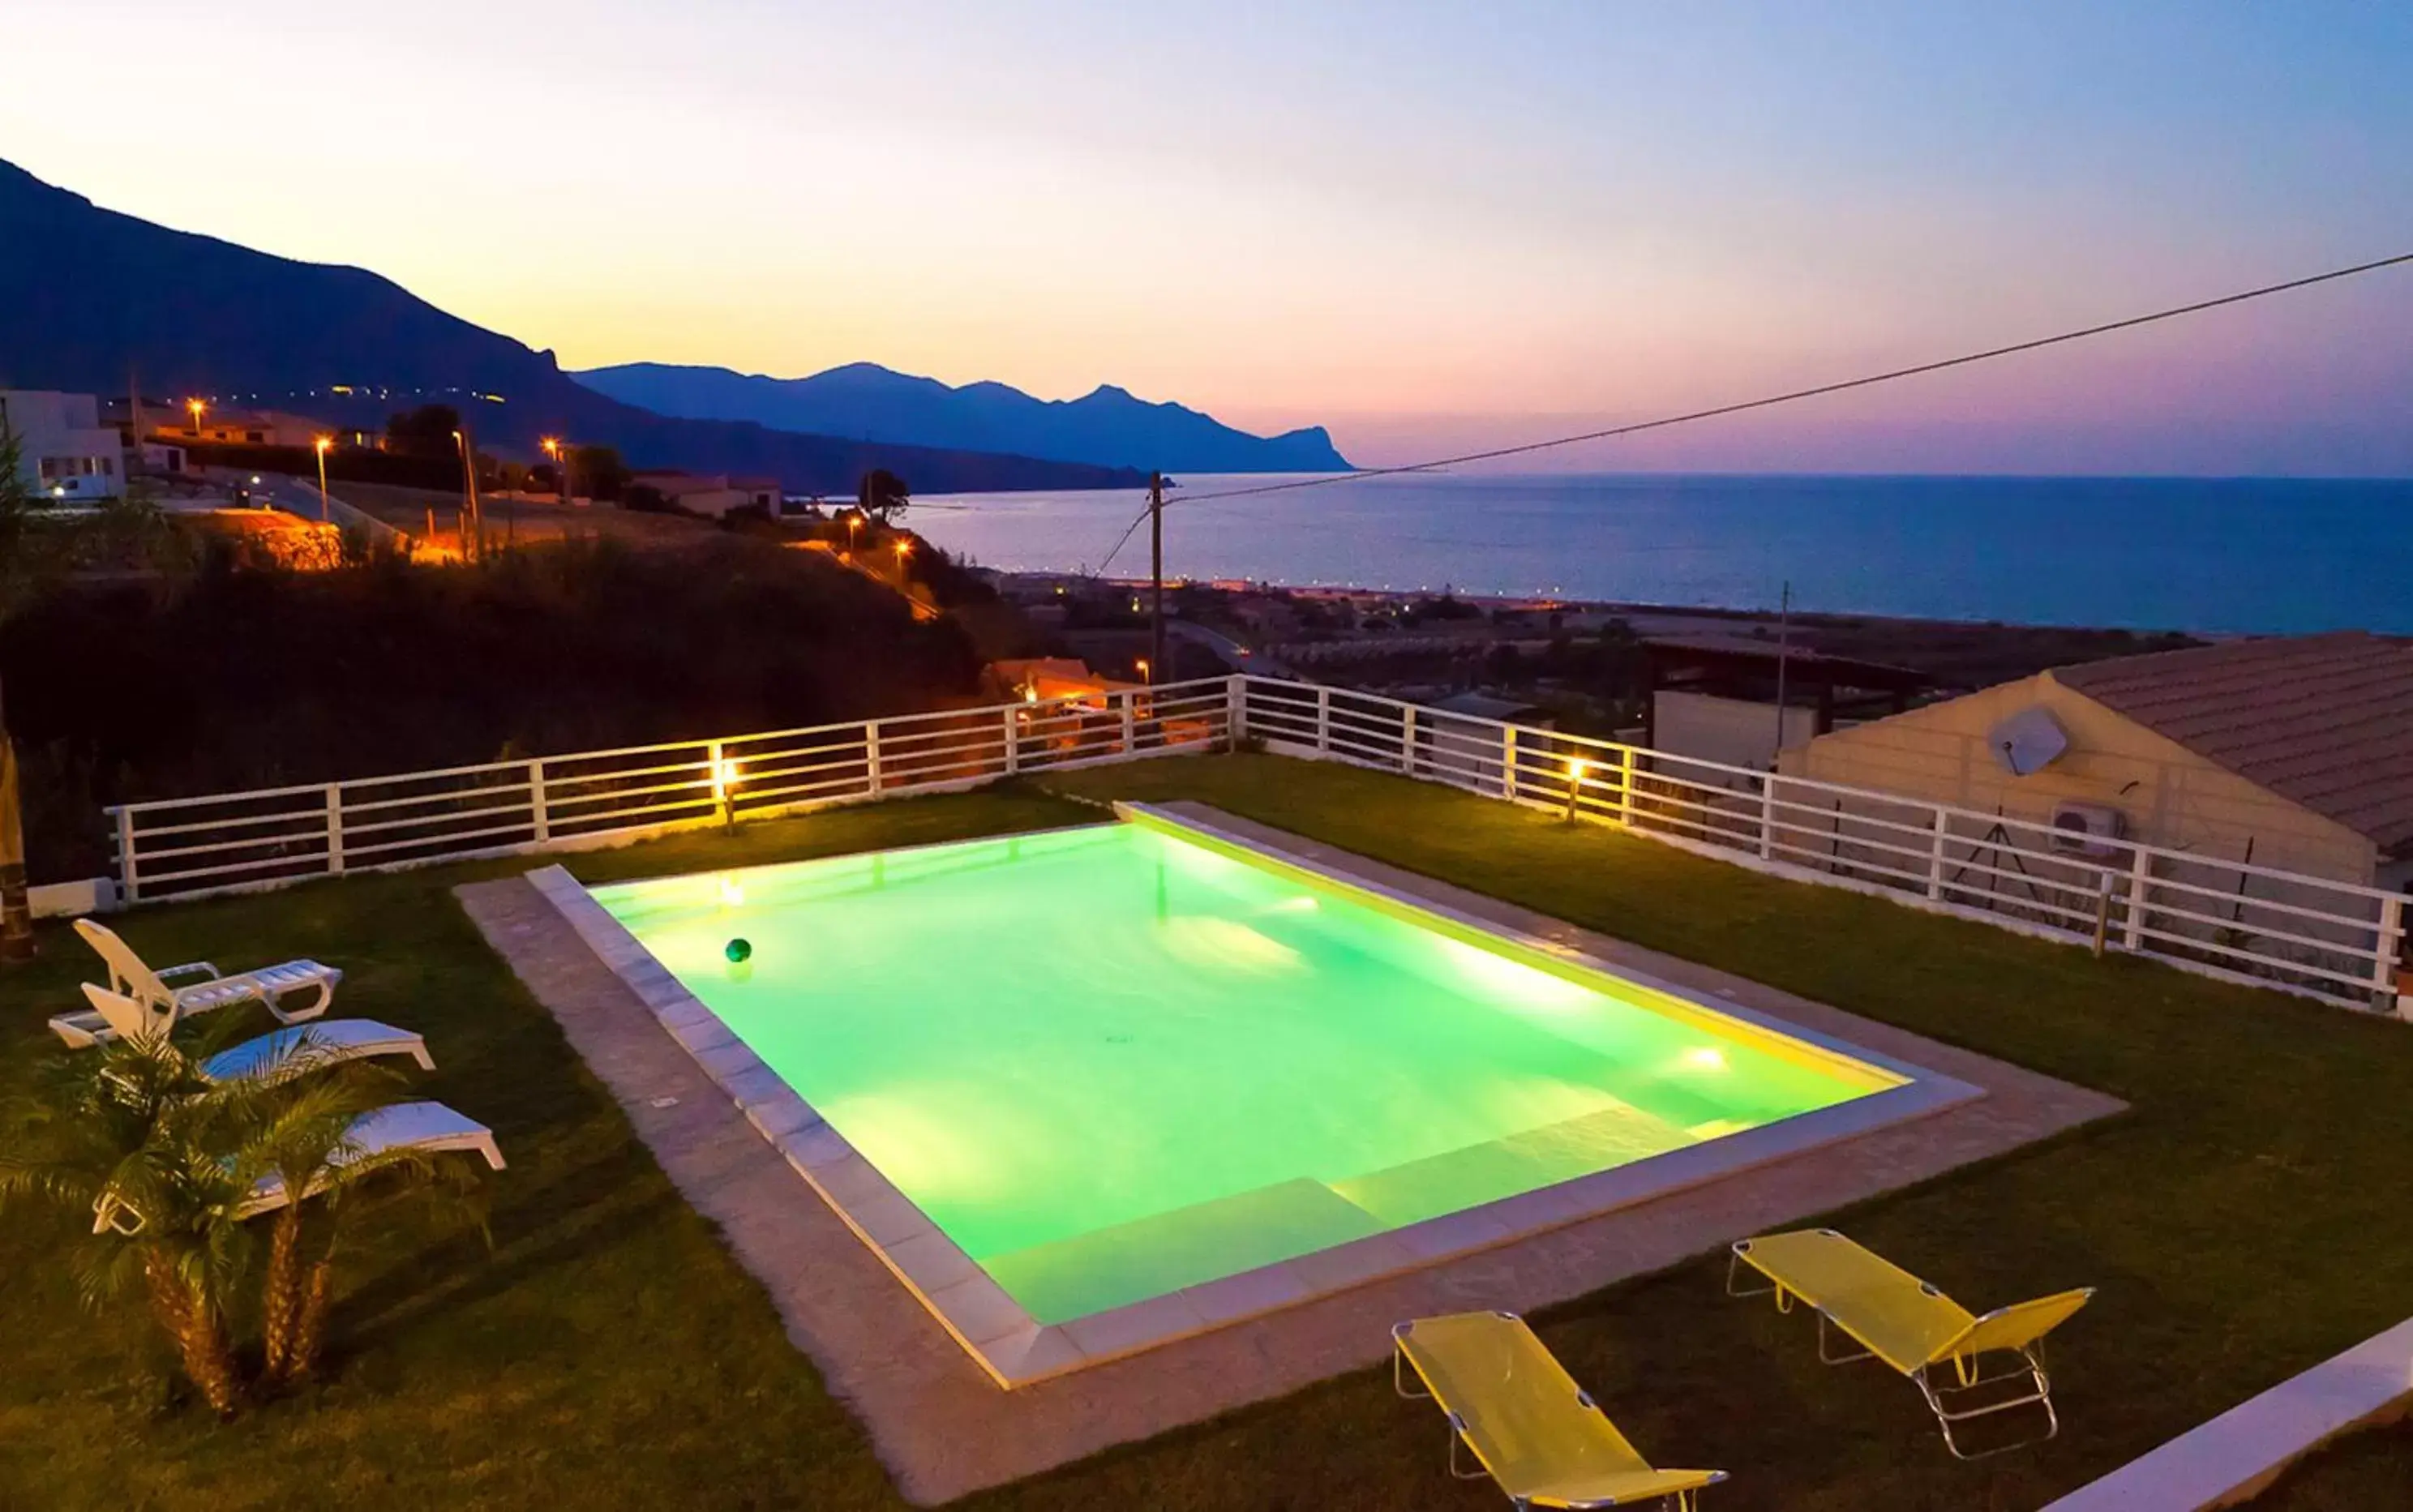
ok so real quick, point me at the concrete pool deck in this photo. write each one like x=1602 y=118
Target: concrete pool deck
x=944 y=1428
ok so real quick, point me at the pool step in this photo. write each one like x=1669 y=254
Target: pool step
x=1410 y=1193
x=1149 y=1256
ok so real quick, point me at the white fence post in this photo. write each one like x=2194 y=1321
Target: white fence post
x=1768 y=817
x=336 y=828
x=1324 y=721
x=1408 y=739
x=871 y=753
x=2386 y=978
x=1013 y=745
x=536 y=801
x=1123 y=701
x=1625 y=785
x=1236 y=703
x=2140 y=882
x=720 y=774
x=1938 y=832
x=129 y=884
x=1508 y=761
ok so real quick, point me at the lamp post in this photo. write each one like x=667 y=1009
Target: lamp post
x=196 y=405
x=321 y=444
x=472 y=519
x=854 y=528
x=558 y=449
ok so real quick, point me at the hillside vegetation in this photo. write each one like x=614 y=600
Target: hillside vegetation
x=237 y=678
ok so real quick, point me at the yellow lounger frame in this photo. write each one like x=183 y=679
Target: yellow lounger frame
x=1914 y=1327
x=1552 y=1447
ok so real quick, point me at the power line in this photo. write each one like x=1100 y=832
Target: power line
x=1770 y=400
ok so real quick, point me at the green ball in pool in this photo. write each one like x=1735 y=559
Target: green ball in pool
x=738 y=951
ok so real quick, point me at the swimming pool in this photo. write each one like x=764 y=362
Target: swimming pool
x=1115 y=1064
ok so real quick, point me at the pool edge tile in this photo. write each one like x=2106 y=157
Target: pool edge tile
x=977 y=1309
x=889 y=1219
x=1029 y=1354
x=1437 y=1238
x=934 y=1264
x=1135 y=1325
x=1247 y=1293
x=1355 y=1262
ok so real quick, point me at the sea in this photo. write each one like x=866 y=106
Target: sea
x=2213 y=554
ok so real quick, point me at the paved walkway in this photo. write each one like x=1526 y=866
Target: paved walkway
x=944 y=1430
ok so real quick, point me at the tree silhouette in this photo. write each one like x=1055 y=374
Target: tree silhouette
x=883 y=495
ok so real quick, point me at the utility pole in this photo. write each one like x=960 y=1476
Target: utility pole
x=1156 y=574
x=1784 y=646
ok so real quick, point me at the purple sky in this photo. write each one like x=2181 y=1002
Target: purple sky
x=1430 y=227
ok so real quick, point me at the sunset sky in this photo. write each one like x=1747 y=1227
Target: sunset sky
x=1426 y=226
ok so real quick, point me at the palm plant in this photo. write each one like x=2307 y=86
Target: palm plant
x=299 y=1133
x=169 y=1164
x=132 y=1134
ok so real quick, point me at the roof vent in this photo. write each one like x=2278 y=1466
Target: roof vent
x=2028 y=741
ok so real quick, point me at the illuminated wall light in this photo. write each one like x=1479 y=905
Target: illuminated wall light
x=732 y=893
x=1706 y=1058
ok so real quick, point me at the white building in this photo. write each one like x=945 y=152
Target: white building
x=714 y=496
x=65 y=452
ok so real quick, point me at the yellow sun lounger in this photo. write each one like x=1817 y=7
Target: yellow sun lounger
x=1902 y=1320
x=1532 y=1428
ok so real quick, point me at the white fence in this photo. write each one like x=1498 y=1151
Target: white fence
x=192 y=846
x=2332 y=940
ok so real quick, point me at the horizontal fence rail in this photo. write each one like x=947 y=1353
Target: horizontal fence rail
x=2332 y=940
x=185 y=848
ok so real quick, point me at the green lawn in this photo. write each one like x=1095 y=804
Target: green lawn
x=2246 y=1219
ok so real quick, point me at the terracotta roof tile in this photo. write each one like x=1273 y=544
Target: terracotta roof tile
x=2326 y=720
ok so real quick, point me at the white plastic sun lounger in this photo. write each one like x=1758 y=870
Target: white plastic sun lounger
x=278 y=1052
x=431 y=1126
x=130 y=976
x=327 y=1041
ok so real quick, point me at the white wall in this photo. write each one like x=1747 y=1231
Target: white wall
x=66 y=452
x=1736 y=731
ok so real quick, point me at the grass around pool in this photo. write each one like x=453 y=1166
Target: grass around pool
x=2246 y=1219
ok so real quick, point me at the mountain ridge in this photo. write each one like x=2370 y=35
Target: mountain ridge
x=1108 y=426
x=92 y=299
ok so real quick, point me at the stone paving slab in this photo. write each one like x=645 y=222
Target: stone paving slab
x=944 y=1428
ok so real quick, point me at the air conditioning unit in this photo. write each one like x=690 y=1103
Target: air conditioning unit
x=2089 y=829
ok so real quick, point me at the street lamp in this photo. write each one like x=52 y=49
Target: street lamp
x=196 y=405
x=1146 y=675
x=322 y=443
x=558 y=449
x=854 y=528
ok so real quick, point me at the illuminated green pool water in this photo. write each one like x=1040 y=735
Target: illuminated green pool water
x=1115 y=1062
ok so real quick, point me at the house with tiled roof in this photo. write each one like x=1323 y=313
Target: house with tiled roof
x=2293 y=752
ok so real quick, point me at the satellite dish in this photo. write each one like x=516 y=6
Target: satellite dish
x=2028 y=741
